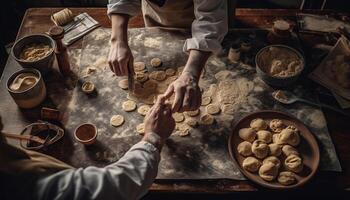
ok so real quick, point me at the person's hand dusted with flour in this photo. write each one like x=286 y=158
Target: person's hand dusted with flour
x=207 y=20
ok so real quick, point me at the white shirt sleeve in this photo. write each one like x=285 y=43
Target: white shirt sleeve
x=128 y=178
x=209 y=27
x=129 y=7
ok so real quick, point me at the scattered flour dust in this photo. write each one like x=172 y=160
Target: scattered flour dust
x=153 y=42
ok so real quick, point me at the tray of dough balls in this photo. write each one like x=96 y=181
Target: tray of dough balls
x=274 y=149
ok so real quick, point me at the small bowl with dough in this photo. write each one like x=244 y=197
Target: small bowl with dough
x=27 y=88
x=86 y=133
x=279 y=65
x=35 y=51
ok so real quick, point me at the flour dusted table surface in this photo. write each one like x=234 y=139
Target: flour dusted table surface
x=35 y=22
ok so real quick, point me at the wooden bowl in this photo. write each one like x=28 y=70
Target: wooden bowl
x=308 y=149
x=86 y=134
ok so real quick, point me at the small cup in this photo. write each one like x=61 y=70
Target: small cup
x=30 y=97
x=86 y=134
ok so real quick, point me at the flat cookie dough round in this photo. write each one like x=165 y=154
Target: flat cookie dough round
x=123 y=84
x=178 y=117
x=170 y=72
x=117 y=120
x=157 y=75
x=129 y=106
x=228 y=109
x=206 y=101
x=139 y=66
x=191 y=122
x=207 y=119
x=143 y=110
x=141 y=128
x=213 y=109
x=192 y=113
x=141 y=77
x=156 y=62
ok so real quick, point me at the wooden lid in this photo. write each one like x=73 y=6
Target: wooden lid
x=56 y=32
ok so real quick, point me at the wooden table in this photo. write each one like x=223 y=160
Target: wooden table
x=36 y=20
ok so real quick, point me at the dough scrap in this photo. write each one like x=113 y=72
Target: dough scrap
x=275 y=149
x=139 y=66
x=228 y=109
x=268 y=171
x=247 y=134
x=251 y=164
x=184 y=130
x=191 y=122
x=286 y=178
x=265 y=136
x=207 y=119
x=129 y=105
x=192 y=113
x=276 y=125
x=123 y=84
x=156 y=62
x=206 y=100
x=143 y=110
x=117 y=120
x=170 y=72
x=141 y=128
x=245 y=148
x=213 y=109
x=260 y=149
x=294 y=163
x=288 y=150
x=258 y=124
x=178 y=117
x=274 y=160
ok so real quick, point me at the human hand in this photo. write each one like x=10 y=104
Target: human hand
x=188 y=96
x=119 y=57
x=159 y=121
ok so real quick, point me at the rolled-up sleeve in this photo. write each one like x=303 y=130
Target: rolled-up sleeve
x=129 y=7
x=129 y=178
x=209 y=27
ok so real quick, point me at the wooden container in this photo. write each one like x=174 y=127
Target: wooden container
x=31 y=96
x=86 y=134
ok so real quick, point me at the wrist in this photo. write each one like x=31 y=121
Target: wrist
x=154 y=139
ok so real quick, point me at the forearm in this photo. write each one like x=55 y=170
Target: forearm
x=119 y=28
x=196 y=62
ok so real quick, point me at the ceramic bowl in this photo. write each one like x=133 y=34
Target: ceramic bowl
x=86 y=133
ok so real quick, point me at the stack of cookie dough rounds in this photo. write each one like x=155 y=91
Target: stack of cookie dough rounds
x=270 y=150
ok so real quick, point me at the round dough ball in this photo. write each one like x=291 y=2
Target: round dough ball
x=207 y=119
x=275 y=138
x=251 y=164
x=213 y=109
x=117 y=120
x=191 y=122
x=258 y=124
x=123 y=84
x=245 y=148
x=192 y=113
x=143 y=110
x=289 y=136
x=274 y=160
x=268 y=171
x=178 y=117
x=206 y=101
x=286 y=178
x=264 y=136
x=291 y=127
x=288 y=150
x=139 y=66
x=293 y=163
x=156 y=62
x=129 y=106
x=276 y=125
x=141 y=128
x=275 y=149
x=260 y=149
x=247 y=134
x=170 y=72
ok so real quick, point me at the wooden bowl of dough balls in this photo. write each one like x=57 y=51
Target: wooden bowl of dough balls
x=274 y=149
